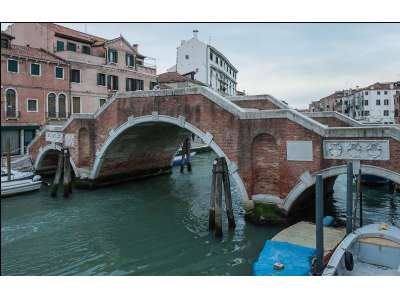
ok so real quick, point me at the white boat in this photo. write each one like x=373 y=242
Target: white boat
x=13 y=187
x=177 y=160
x=370 y=250
x=16 y=175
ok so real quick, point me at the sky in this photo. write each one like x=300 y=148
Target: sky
x=295 y=62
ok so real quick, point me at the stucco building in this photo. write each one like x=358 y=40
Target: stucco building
x=34 y=91
x=206 y=64
x=397 y=107
x=99 y=67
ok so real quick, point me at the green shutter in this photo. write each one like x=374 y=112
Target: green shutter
x=35 y=69
x=12 y=65
x=59 y=73
x=60 y=46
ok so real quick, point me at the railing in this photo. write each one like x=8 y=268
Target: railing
x=12 y=114
x=57 y=115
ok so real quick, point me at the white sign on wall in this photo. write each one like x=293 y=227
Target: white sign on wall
x=69 y=140
x=54 y=137
x=299 y=150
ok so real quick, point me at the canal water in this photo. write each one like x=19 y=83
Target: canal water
x=157 y=226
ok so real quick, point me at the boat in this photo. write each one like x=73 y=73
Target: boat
x=16 y=175
x=13 y=187
x=291 y=252
x=373 y=180
x=370 y=250
x=178 y=159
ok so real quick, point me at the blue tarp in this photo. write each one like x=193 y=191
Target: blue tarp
x=296 y=259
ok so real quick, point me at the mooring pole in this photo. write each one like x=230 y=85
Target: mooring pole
x=211 y=214
x=360 y=197
x=8 y=158
x=218 y=199
x=228 y=195
x=58 y=175
x=67 y=174
x=349 y=199
x=319 y=223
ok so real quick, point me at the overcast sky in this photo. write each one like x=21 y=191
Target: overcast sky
x=294 y=62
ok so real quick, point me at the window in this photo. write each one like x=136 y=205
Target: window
x=71 y=46
x=386 y=102
x=60 y=46
x=31 y=105
x=386 y=113
x=130 y=60
x=102 y=102
x=134 y=84
x=187 y=56
x=112 y=82
x=11 y=104
x=366 y=93
x=211 y=56
x=35 y=69
x=76 y=105
x=385 y=92
x=59 y=73
x=51 y=106
x=12 y=66
x=378 y=92
x=86 y=49
x=101 y=79
x=112 y=56
x=378 y=102
x=365 y=102
x=75 y=75
x=4 y=43
x=62 y=106
x=366 y=113
x=216 y=59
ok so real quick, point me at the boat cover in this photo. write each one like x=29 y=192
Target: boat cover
x=296 y=259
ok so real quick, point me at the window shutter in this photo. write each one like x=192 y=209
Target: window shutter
x=116 y=82
x=109 y=82
x=126 y=59
x=116 y=56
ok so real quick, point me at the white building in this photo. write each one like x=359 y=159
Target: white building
x=373 y=104
x=206 y=64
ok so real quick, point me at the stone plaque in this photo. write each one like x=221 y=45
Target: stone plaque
x=299 y=150
x=54 y=137
x=69 y=139
x=357 y=149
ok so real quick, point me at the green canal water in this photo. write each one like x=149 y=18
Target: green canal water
x=157 y=226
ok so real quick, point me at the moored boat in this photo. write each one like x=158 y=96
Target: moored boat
x=370 y=250
x=13 y=187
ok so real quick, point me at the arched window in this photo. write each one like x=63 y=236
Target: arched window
x=62 y=110
x=51 y=105
x=11 y=103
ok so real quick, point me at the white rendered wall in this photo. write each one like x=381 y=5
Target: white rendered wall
x=197 y=60
x=376 y=111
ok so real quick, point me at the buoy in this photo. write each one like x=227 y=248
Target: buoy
x=278 y=266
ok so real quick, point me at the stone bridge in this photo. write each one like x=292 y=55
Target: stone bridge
x=273 y=152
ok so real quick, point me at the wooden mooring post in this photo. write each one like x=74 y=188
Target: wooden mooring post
x=220 y=180
x=57 y=177
x=186 y=155
x=8 y=158
x=67 y=174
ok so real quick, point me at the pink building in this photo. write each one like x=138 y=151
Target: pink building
x=99 y=67
x=34 y=91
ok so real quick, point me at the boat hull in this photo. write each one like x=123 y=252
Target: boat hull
x=11 y=188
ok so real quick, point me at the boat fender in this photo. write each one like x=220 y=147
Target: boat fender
x=36 y=178
x=348 y=261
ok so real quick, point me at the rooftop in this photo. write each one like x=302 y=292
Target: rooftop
x=32 y=53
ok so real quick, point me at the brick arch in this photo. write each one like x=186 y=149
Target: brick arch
x=84 y=151
x=52 y=149
x=309 y=180
x=265 y=165
x=179 y=122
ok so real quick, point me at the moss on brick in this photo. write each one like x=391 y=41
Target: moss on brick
x=265 y=213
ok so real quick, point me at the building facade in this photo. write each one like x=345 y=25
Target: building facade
x=35 y=89
x=99 y=67
x=328 y=103
x=207 y=64
x=397 y=107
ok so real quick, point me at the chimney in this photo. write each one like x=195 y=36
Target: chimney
x=135 y=46
x=195 y=32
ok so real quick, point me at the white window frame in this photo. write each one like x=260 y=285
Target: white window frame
x=109 y=58
x=30 y=69
x=55 y=72
x=105 y=101
x=8 y=71
x=27 y=106
x=5 y=100
x=80 y=76
x=47 y=102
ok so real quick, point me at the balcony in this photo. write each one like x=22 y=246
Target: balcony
x=57 y=116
